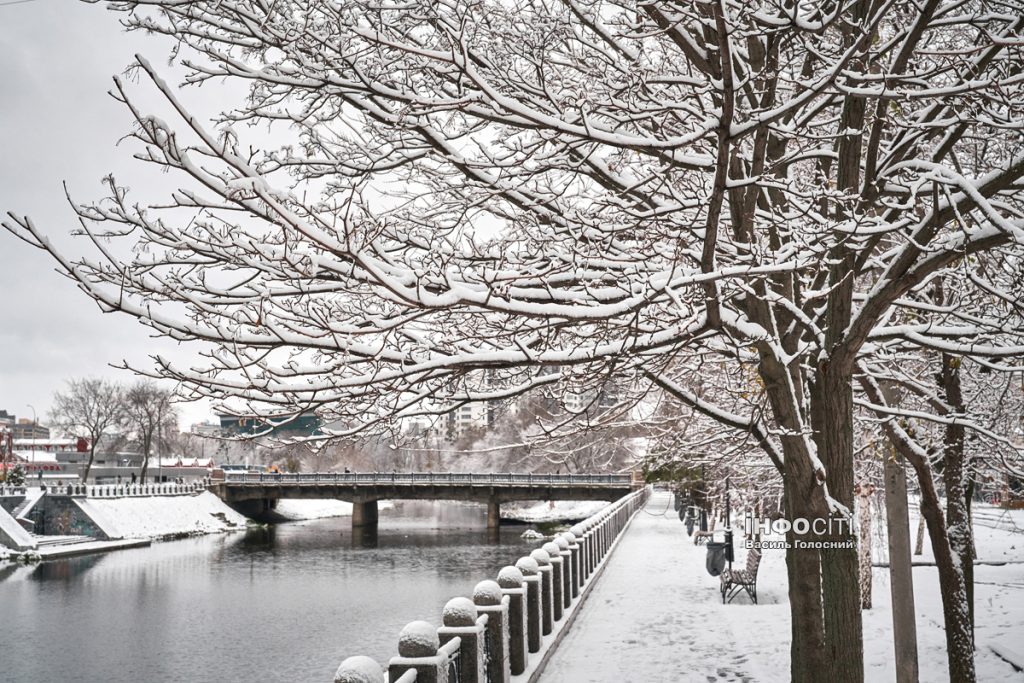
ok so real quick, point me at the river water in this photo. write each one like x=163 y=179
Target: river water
x=283 y=603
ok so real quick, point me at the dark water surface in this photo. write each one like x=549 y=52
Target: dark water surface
x=285 y=603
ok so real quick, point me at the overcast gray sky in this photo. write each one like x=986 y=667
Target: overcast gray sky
x=58 y=124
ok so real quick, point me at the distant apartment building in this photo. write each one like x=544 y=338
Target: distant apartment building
x=469 y=416
x=306 y=424
x=29 y=429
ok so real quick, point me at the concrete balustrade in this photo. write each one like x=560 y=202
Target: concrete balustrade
x=547 y=602
x=513 y=587
x=491 y=602
x=534 y=600
x=125 y=490
x=490 y=638
x=462 y=620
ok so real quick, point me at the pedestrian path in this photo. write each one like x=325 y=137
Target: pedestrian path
x=656 y=615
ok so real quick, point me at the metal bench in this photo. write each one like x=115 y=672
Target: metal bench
x=736 y=580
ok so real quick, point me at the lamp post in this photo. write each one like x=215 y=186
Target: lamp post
x=34 y=421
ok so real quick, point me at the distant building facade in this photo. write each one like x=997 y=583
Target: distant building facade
x=306 y=424
x=29 y=429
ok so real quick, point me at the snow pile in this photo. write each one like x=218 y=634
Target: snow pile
x=168 y=516
x=552 y=511
x=296 y=510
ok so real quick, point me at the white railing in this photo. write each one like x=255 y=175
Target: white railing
x=428 y=479
x=510 y=623
x=133 y=490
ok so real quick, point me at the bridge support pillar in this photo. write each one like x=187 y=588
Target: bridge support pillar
x=493 y=515
x=364 y=513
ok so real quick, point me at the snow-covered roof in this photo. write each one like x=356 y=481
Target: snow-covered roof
x=35 y=456
x=30 y=443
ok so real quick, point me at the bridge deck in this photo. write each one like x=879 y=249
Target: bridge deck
x=428 y=479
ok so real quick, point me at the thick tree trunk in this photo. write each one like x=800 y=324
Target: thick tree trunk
x=952 y=583
x=832 y=418
x=954 y=476
x=807 y=646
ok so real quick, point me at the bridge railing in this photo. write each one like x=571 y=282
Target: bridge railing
x=504 y=632
x=427 y=479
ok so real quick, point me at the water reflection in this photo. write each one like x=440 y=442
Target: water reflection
x=278 y=603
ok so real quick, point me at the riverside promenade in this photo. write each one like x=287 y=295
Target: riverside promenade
x=656 y=615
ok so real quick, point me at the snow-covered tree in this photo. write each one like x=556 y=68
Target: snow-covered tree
x=89 y=408
x=465 y=201
x=150 y=416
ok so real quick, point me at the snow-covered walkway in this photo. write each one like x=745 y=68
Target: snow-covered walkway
x=656 y=615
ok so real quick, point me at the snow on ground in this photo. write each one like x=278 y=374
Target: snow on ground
x=166 y=516
x=656 y=615
x=295 y=510
x=551 y=511
x=998 y=535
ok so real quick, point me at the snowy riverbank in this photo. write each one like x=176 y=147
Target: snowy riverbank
x=163 y=517
x=551 y=511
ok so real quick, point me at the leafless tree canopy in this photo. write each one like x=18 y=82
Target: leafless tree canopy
x=474 y=199
x=89 y=408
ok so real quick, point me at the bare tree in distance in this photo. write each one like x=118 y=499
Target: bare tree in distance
x=148 y=413
x=89 y=408
x=480 y=199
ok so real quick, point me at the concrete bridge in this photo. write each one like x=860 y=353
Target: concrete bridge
x=255 y=494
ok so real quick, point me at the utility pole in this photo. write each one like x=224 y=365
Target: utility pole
x=901 y=580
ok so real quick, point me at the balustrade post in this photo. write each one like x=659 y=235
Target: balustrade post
x=418 y=646
x=565 y=592
x=534 y=601
x=489 y=600
x=547 y=607
x=513 y=587
x=461 y=621
x=576 y=577
x=557 y=570
x=591 y=537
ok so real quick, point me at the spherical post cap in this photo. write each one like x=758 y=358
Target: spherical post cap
x=562 y=542
x=578 y=530
x=542 y=557
x=359 y=669
x=528 y=565
x=510 y=577
x=551 y=549
x=459 y=612
x=487 y=592
x=418 y=639
x=570 y=537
